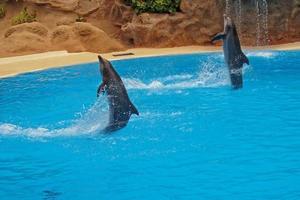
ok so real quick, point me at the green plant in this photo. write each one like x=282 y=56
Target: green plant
x=24 y=17
x=2 y=11
x=156 y=6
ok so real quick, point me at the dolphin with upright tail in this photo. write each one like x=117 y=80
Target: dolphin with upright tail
x=234 y=57
x=120 y=106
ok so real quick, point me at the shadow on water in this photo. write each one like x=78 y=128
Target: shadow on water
x=51 y=195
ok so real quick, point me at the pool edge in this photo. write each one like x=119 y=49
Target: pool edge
x=13 y=66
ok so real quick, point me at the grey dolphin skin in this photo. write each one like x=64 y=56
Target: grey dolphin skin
x=120 y=106
x=234 y=57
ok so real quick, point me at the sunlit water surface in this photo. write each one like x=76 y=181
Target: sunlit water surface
x=195 y=138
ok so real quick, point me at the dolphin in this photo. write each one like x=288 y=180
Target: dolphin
x=234 y=57
x=120 y=106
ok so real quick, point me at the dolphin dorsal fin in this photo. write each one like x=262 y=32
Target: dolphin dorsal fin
x=133 y=109
x=245 y=59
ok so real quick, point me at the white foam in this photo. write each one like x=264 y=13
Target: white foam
x=175 y=114
x=92 y=121
x=209 y=75
x=264 y=54
x=177 y=77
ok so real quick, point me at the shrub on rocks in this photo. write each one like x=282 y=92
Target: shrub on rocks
x=2 y=11
x=24 y=17
x=155 y=6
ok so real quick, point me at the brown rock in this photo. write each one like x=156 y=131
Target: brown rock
x=188 y=6
x=195 y=25
x=83 y=37
x=197 y=22
x=23 y=43
x=147 y=30
x=81 y=7
x=34 y=28
x=296 y=9
x=62 y=34
x=64 y=5
x=86 y=7
x=65 y=21
x=115 y=10
x=64 y=38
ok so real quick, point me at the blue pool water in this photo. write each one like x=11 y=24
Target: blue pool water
x=195 y=138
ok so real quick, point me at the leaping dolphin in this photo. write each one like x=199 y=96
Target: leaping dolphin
x=234 y=57
x=120 y=106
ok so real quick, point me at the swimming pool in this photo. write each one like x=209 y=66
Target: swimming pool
x=195 y=138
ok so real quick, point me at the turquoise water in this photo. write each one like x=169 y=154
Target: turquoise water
x=195 y=138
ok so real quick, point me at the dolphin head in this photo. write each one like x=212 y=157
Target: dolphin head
x=228 y=24
x=102 y=64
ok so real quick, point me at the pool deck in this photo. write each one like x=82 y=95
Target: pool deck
x=12 y=66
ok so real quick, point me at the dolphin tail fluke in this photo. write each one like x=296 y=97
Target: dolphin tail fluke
x=245 y=59
x=133 y=109
x=218 y=36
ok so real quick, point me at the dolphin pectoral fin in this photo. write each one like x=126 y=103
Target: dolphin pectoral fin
x=133 y=109
x=245 y=59
x=218 y=36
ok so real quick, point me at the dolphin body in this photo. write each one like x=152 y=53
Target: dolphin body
x=234 y=57
x=120 y=106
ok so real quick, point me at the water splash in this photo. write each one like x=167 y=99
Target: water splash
x=233 y=9
x=262 y=54
x=91 y=121
x=238 y=15
x=262 y=30
x=265 y=21
x=258 y=25
x=210 y=74
x=228 y=8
